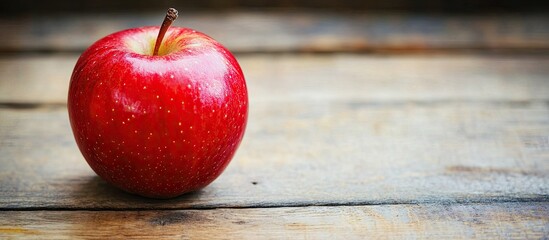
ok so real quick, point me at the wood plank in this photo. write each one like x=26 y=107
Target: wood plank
x=294 y=31
x=310 y=153
x=468 y=221
x=340 y=77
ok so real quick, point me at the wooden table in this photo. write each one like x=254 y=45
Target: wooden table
x=361 y=126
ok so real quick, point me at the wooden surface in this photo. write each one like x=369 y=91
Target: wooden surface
x=381 y=79
x=457 y=221
x=457 y=144
x=340 y=145
x=255 y=32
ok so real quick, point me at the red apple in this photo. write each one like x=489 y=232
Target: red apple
x=158 y=125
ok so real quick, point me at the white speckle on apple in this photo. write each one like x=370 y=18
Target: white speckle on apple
x=157 y=96
x=179 y=123
x=189 y=85
x=171 y=76
x=145 y=87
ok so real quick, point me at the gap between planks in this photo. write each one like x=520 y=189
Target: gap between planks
x=367 y=104
x=534 y=200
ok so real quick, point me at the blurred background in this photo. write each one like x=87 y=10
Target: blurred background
x=394 y=26
x=63 y=6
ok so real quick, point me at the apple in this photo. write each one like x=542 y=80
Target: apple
x=158 y=116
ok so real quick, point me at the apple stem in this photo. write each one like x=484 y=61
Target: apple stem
x=171 y=15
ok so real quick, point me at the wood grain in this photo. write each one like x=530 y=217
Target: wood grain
x=461 y=221
x=36 y=80
x=338 y=129
x=309 y=153
x=294 y=31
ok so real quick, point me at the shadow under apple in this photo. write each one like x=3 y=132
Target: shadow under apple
x=92 y=192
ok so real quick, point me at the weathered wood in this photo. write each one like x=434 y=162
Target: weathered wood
x=469 y=221
x=310 y=153
x=323 y=130
x=464 y=137
x=342 y=77
x=294 y=31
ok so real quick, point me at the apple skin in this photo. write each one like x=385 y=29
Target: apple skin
x=158 y=126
